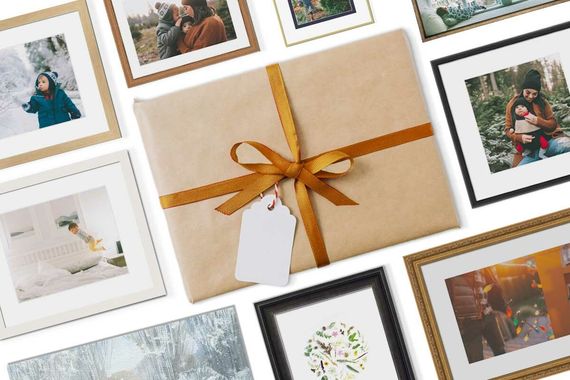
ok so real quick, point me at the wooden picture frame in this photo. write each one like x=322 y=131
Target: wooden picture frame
x=479 y=253
x=83 y=57
x=453 y=75
x=374 y=281
x=425 y=37
x=127 y=50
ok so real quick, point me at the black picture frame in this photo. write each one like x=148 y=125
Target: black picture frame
x=435 y=64
x=298 y=26
x=374 y=279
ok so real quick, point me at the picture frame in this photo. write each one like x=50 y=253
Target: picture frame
x=373 y=316
x=77 y=107
x=433 y=26
x=103 y=260
x=306 y=20
x=523 y=261
x=143 y=64
x=202 y=331
x=479 y=89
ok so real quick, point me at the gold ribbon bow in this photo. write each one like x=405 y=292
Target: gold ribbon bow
x=307 y=173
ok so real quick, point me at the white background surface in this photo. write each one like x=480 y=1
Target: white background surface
x=389 y=15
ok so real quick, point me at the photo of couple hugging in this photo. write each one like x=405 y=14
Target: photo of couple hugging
x=523 y=113
x=194 y=27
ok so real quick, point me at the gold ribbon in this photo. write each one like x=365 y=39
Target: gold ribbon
x=307 y=173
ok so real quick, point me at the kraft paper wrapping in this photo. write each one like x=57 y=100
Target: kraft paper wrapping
x=338 y=97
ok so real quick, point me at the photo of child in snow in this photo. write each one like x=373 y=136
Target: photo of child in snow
x=166 y=29
x=512 y=305
x=62 y=244
x=38 y=88
x=309 y=12
x=522 y=113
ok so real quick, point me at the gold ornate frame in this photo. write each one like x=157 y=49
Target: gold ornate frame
x=415 y=262
x=477 y=24
x=79 y=6
x=132 y=81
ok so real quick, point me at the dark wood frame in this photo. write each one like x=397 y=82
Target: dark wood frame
x=375 y=279
x=453 y=128
x=415 y=262
x=476 y=24
x=131 y=81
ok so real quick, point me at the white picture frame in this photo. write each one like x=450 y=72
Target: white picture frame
x=142 y=279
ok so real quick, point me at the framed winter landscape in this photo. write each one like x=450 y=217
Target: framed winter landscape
x=496 y=305
x=344 y=329
x=73 y=242
x=205 y=346
x=306 y=20
x=508 y=108
x=54 y=96
x=157 y=39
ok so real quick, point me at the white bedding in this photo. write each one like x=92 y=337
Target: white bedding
x=50 y=279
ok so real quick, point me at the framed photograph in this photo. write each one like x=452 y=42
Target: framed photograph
x=438 y=18
x=306 y=20
x=54 y=95
x=344 y=329
x=157 y=39
x=497 y=305
x=204 y=346
x=508 y=108
x=73 y=242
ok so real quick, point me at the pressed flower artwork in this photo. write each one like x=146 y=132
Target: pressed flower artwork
x=336 y=351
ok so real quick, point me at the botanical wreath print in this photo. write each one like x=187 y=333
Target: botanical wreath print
x=336 y=352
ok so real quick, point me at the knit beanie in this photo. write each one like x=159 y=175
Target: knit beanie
x=532 y=80
x=164 y=12
x=195 y=3
x=51 y=76
x=186 y=19
x=521 y=101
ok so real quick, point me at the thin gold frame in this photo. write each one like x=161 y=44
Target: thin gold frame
x=369 y=8
x=79 y=6
x=132 y=81
x=477 y=24
x=414 y=265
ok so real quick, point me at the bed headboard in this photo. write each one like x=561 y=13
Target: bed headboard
x=59 y=256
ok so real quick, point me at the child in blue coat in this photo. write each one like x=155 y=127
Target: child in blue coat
x=50 y=102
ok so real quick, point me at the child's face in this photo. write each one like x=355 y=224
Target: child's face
x=186 y=27
x=74 y=230
x=43 y=84
x=521 y=110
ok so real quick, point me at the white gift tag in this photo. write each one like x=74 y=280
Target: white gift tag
x=265 y=243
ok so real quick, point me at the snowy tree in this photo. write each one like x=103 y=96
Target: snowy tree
x=15 y=80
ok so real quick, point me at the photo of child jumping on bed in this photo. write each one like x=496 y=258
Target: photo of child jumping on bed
x=92 y=243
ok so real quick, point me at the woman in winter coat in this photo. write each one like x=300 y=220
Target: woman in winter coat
x=50 y=102
x=207 y=27
x=168 y=29
x=541 y=116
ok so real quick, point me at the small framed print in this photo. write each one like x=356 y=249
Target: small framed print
x=305 y=20
x=73 y=242
x=344 y=329
x=54 y=96
x=158 y=39
x=439 y=18
x=497 y=305
x=507 y=107
x=204 y=346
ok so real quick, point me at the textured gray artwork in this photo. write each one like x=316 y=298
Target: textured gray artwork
x=203 y=347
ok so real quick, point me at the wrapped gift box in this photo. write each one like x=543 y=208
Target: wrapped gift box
x=338 y=97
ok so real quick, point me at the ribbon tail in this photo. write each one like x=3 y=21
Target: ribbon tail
x=249 y=193
x=325 y=190
x=311 y=225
